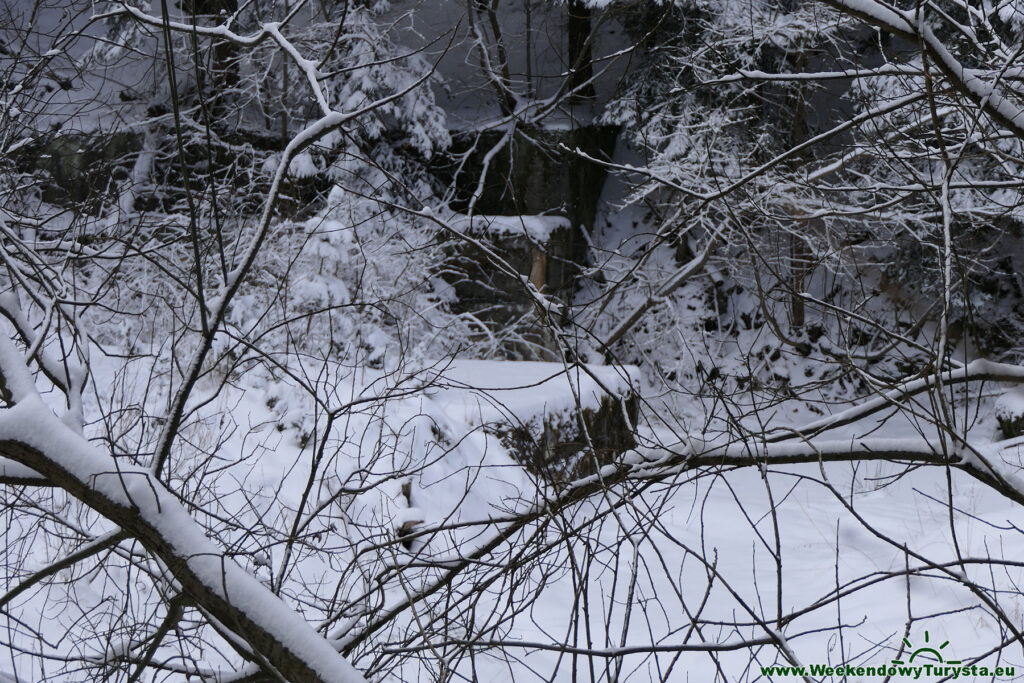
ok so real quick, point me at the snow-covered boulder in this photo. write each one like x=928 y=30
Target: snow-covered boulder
x=1009 y=411
x=543 y=413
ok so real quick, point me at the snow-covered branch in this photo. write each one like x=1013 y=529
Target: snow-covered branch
x=978 y=86
x=139 y=503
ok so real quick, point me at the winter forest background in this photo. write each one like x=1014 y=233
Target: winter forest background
x=510 y=340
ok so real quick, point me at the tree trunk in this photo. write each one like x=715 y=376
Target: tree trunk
x=581 y=54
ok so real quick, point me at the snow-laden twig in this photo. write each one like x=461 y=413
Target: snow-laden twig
x=970 y=82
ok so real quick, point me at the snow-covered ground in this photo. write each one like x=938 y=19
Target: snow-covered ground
x=701 y=546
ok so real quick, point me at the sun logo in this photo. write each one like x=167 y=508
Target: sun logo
x=926 y=649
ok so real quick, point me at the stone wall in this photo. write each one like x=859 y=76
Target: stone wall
x=533 y=175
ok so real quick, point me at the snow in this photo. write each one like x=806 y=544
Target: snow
x=132 y=495
x=536 y=228
x=14 y=471
x=1011 y=11
x=406 y=517
x=480 y=392
x=1010 y=405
